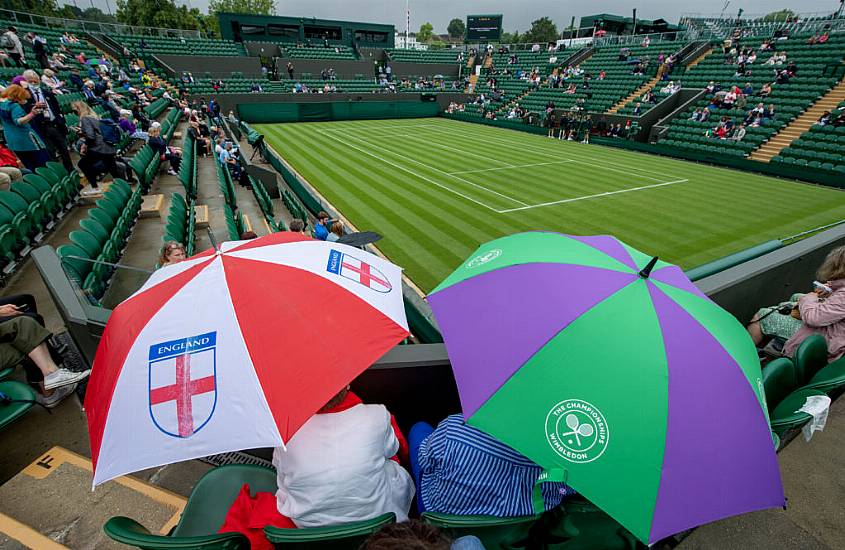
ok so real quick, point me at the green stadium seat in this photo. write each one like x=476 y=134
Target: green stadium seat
x=810 y=357
x=780 y=380
x=333 y=537
x=23 y=398
x=203 y=515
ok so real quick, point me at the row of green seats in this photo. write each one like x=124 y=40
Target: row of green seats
x=294 y=206
x=181 y=223
x=32 y=206
x=266 y=205
x=788 y=383
x=101 y=238
x=576 y=524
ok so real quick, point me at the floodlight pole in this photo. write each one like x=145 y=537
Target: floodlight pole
x=407 y=22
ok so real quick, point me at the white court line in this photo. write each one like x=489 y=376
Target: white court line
x=328 y=135
x=585 y=197
x=625 y=171
x=453 y=149
x=512 y=199
x=511 y=167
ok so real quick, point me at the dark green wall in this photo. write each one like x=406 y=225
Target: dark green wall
x=347 y=29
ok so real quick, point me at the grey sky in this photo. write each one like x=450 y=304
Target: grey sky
x=517 y=14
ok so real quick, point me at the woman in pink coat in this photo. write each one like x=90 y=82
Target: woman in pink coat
x=822 y=312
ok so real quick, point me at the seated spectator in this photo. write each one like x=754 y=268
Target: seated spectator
x=297 y=226
x=10 y=167
x=171 y=154
x=823 y=38
x=711 y=88
x=782 y=77
x=748 y=89
x=738 y=133
x=775 y=323
x=21 y=337
x=765 y=90
x=203 y=143
x=705 y=115
x=823 y=313
x=127 y=125
x=172 y=253
x=696 y=115
x=321 y=229
x=638 y=109
x=338 y=468
x=256 y=88
x=769 y=112
x=461 y=470
x=227 y=159
x=824 y=119
x=50 y=80
x=336 y=232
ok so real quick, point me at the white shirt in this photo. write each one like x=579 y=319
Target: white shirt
x=337 y=469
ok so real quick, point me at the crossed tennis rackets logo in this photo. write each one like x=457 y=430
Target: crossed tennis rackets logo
x=577 y=431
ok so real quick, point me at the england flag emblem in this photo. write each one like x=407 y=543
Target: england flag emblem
x=359 y=271
x=183 y=384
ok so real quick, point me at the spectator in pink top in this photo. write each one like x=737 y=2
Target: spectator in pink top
x=822 y=312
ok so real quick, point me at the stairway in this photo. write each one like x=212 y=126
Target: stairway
x=473 y=80
x=635 y=94
x=793 y=131
x=698 y=59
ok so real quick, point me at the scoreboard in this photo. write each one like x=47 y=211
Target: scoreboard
x=484 y=27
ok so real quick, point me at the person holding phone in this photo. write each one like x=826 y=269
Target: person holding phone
x=21 y=137
x=822 y=311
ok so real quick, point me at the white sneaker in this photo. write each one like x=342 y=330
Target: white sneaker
x=63 y=377
x=172 y=172
x=58 y=395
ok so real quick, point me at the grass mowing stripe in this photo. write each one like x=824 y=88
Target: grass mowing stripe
x=410 y=222
x=429 y=230
x=413 y=173
x=439 y=171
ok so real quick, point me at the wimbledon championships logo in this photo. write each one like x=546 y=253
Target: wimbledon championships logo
x=577 y=431
x=484 y=258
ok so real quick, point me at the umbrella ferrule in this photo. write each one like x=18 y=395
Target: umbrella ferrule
x=646 y=271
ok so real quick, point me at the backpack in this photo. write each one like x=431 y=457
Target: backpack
x=110 y=131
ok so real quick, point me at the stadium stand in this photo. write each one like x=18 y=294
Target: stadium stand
x=146 y=46
x=789 y=100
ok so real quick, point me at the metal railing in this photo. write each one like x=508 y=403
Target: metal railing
x=81 y=25
x=638 y=39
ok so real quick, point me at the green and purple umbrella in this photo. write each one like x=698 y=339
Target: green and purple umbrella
x=613 y=372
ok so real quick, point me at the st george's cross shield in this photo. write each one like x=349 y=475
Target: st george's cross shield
x=183 y=384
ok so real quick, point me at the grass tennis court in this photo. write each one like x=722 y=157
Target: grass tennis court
x=436 y=188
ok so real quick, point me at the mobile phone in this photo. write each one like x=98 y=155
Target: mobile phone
x=822 y=286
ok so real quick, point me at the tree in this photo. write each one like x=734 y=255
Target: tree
x=542 y=30
x=96 y=14
x=159 y=13
x=456 y=28
x=511 y=38
x=39 y=7
x=782 y=15
x=255 y=7
x=425 y=33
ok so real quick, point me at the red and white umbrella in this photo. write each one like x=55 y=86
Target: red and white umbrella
x=236 y=349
